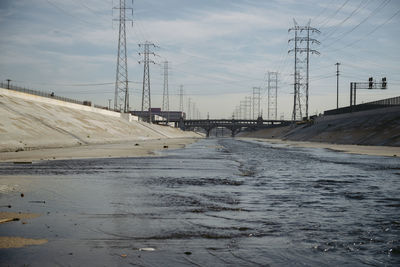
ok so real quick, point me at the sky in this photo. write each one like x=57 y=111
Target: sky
x=217 y=49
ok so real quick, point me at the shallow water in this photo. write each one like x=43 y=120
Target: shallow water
x=217 y=202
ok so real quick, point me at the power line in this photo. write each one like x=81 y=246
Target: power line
x=68 y=13
x=368 y=34
x=324 y=22
x=322 y=11
x=372 y=13
x=327 y=34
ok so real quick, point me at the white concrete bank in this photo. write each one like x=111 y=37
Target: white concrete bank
x=29 y=121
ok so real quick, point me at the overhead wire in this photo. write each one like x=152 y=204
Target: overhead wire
x=59 y=8
x=324 y=22
x=283 y=65
x=328 y=33
x=323 y=10
x=368 y=34
x=371 y=14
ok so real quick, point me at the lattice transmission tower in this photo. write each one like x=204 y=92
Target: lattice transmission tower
x=146 y=96
x=193 y=112
x=189 y=109
x=256 y=102
x=272 y=92
x=121 y=96
x=302 y=51
x=248 y=103
x=165 y=104
x=241 y=110
x=181 y=98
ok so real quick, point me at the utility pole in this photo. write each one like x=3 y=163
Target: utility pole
x=337 y=85
x=272 y=95
x=165 y=105
x=146 y=96
x=121 y=81
x=256 y=102
x=301 y=89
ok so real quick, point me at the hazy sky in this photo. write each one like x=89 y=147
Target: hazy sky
x=218 y=49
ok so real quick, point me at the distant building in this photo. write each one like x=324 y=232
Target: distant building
x=158 y=114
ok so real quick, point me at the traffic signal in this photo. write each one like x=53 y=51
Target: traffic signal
x=384 y=83
x=370 y=82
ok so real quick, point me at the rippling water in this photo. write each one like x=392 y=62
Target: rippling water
x=218 y=202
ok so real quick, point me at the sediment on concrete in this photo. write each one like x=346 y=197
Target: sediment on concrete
x=30 y=122
x=379 y=127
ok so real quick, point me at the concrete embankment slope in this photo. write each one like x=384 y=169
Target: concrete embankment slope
x=31 y=122
x=378 y=127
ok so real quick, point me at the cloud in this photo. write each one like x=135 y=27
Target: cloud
x=205 y=26
x=217 y=48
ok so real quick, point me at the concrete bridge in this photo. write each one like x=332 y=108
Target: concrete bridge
x=234 y=125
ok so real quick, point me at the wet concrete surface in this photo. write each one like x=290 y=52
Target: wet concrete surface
x=218 y=202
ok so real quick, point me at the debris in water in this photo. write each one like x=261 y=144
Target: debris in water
x=37 y=201
x=188 y=253
x=146 y=249
x=22 y=195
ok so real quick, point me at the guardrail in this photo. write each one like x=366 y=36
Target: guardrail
x=49 y=95
x=389 y=102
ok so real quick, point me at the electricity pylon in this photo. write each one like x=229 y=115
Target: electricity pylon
x=165 y=105
x=302 y=43
x=272 y=95
x=146 y=96
x=256 y=102
x=181 y=98
x=121 y=81
x=248 y=107
x=189 y=109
